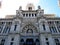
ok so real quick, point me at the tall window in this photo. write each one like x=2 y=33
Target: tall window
x=11 y=43
x=29 y=15
x=47 y=42
x=5 y=29
x=9 y=29
x=35 y=15
x=44 y=26
x=2 y=42
x=23 y=15
x=26 y=15
x=50 y=29
x=53 y=29
x=58 y=27
x=22 y=40
x=32 y=14
x=57 y=42
x=37 y=42
x=15 y=27
x=1 y=26
x=12 y=39
x=30 y=8
x=0 y=29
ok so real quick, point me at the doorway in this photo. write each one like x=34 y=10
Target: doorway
x=29 y=42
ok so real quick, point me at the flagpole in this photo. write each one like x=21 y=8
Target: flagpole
x=0 y=3
x=59 y=3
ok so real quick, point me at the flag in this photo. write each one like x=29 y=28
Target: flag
x=59 y=3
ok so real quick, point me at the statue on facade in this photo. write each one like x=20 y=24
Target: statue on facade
x=39 y=7
x=19 y=12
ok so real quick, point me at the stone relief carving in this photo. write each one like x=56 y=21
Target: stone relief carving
x=30 y=28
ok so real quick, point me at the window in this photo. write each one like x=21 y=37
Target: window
x=57 y=42
x=37 y=40
x=15 y=27
x=29 y=15
x=30 y=8
x=57 y=22
x=5 y=29
x=46 y=38
x=23 y=15
x=53 y=29
x=26 y=15
x=11 y=43
x=58 y=27
x=32 y=15
x=1 y=29
x=2 y=22
x=22 y=40
x=12 y=39
x=47 y=43
x=2 y=42
x=35 y=15
x=50 y=29
x=9 y=30
x=44 y=26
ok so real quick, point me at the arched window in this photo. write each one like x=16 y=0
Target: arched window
x=22 y=40
x=2 y=42
x=37 y=40
x=44 y=26
x=57 y=41
x=30 y=8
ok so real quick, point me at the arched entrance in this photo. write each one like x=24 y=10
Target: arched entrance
x=29 y=42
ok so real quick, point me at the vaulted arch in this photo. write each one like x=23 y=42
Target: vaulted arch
x=30 y=29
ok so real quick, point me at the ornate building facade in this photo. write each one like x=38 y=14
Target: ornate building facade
x=30 y=27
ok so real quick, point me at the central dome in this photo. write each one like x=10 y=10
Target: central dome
x=30 y=6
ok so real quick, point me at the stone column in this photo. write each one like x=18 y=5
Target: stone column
x=42 y=40
x=41 y=27
x=17 y=40
x=51 y=41
x=8 y=40
x=18 y=28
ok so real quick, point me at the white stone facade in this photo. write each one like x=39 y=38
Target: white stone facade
x=30 y=27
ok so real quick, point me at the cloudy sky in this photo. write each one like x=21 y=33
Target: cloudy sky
x=10 y=6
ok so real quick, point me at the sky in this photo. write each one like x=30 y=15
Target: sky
x=9 y=7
